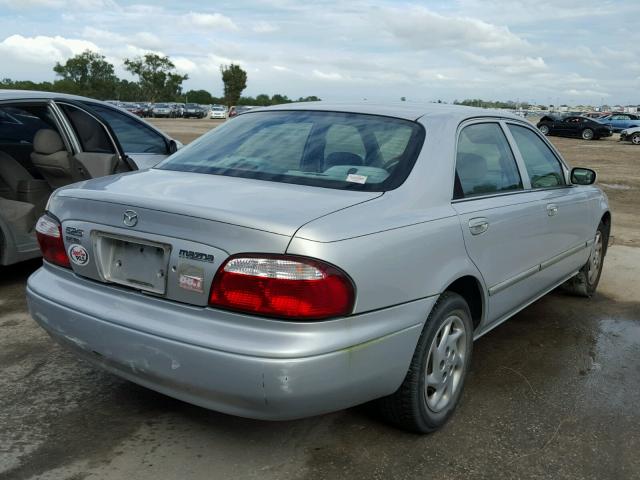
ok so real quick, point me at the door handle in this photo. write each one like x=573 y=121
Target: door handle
x=478 y=225
x=552 y=209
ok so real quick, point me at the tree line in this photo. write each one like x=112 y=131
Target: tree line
x=89 y=74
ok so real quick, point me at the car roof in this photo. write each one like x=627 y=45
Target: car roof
x=406 y=110
x=34 y=94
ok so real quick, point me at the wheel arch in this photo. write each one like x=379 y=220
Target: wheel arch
x=470 y=288
x=606 y=221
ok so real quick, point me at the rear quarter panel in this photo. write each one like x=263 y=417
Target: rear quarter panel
x=397 y=265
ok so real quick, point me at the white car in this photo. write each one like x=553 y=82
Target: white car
x=631 y=135
x=218 y=111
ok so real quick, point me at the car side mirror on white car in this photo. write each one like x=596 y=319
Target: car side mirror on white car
x=583 y=176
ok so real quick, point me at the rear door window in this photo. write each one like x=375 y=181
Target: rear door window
x=543 y=167
x=92 y=135
x=484 y=162
x=19 y=124
x=133 y=135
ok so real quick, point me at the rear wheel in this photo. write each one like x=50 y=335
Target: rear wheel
x=544 y=129
x=433 y=385
x=587 y=134
x=635 y=138
x=585 y=282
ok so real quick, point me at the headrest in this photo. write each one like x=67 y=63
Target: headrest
x=47 y=142
x=471 y=166
x=342 y=158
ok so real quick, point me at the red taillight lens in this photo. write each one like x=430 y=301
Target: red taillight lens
x=282 y=286
x=49 y=235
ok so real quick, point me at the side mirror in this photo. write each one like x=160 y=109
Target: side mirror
x=583 y=176
x=173 y=147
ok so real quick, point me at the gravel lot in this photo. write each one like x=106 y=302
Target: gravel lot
x=553 y=393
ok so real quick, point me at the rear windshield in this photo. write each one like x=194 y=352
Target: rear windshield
x=325 y=149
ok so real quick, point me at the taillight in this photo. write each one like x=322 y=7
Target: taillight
x=49 y=233
x=282 y=286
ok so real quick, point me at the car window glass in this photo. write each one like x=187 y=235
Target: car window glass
x=91 y=134
x=543 y=167
x=392 y=142
x=344 y=139
x=19 y=124
x=133 y=135
x=290 y=139
x=324 y=149
x=484 y=161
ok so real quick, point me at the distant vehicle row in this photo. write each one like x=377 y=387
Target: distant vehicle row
x=574 y=126
x=588 y=127
x=172 y=110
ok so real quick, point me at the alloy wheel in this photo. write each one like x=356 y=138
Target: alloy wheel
x=445 y=363
x=595 y=260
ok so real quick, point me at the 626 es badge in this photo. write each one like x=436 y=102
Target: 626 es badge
x=78 y=254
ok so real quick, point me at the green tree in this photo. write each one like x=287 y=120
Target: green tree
x=157 y=76
x=263 y=100
x=235 y=81
x=127 y=91
x=277 y=99
x=311 y=98
x=88 y=74
x=199 y=96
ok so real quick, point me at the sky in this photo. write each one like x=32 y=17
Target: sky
x=541 y=51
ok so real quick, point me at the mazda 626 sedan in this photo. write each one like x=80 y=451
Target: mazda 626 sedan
x=307 y=258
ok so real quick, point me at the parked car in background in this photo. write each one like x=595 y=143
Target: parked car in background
x=147 y=109
x=49 y=140
x=631 y=135
x=620 y=121
x=594 y=115
x=163 y=110
x=218 y=111
x=193 y=110
x=235 y=111
x=573 y=126
x=307 y=258
x=134 y=108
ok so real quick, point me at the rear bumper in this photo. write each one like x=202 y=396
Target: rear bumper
x=250 y=367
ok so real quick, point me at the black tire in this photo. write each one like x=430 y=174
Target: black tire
x=408 y=408
x=635 y=138
x=588 y=134
x=585 y=282
x=544 y=129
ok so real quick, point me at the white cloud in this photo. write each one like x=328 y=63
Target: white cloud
x=209 y=20
x=586 y=93
x=327 y=75
x=509 y=64
x=184 y=65
x=58 y=4
x=422 y=29
x=265 y=27
x=42 y=49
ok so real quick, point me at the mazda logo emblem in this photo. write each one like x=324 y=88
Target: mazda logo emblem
x=130 y=218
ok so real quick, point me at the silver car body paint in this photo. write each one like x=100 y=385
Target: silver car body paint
x=402 y=248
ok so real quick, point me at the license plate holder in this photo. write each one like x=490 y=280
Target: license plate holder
x=132 y=262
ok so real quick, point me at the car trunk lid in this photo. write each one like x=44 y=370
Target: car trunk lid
x=185 y=226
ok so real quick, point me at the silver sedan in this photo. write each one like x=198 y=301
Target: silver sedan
x=307 y=258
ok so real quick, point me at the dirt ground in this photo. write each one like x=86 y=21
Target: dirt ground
x=552 y=394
